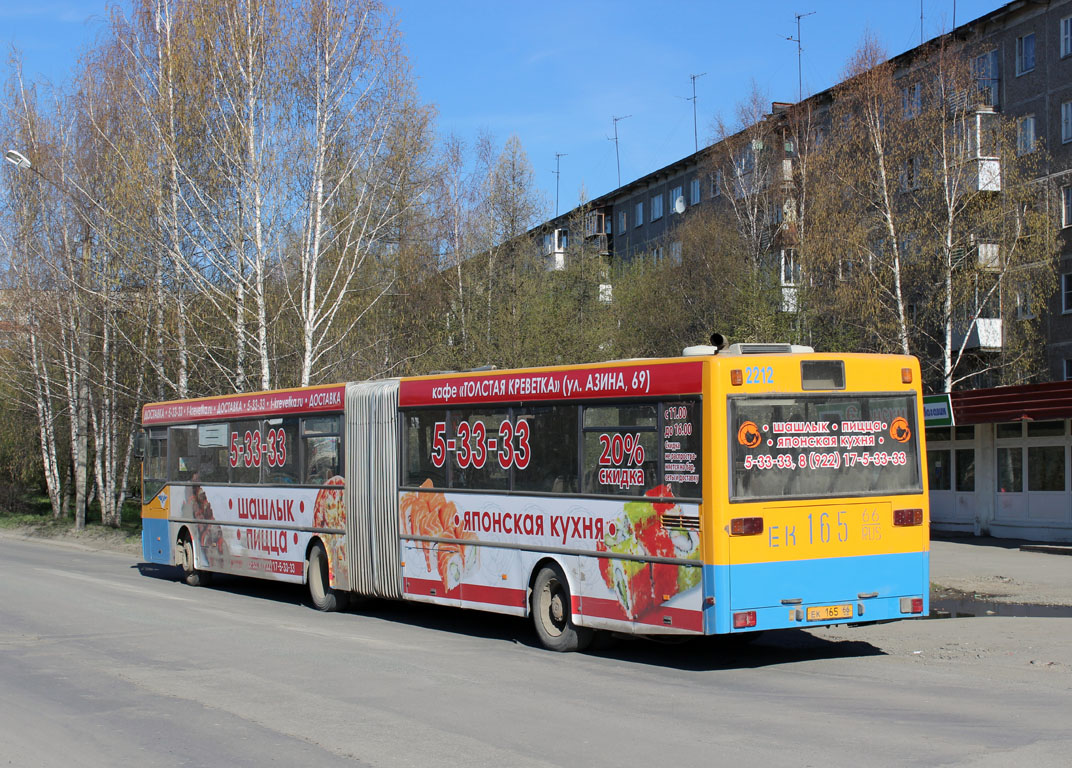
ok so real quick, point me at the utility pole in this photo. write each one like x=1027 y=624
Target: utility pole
x=800 y=76
x=695 y=135
x=558 y=175
x=617 y=159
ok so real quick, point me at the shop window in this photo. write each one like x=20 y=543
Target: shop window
x=1010 y=470
x=1010 y=430
x=965 y=470
x=1046 y=468
x=1045 y=429
x=938 y=470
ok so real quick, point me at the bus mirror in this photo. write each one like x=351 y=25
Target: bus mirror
x=139 y=444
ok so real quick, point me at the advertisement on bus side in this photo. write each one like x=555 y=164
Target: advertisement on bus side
x=631 y=559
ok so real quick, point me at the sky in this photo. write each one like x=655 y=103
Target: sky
x=556 y=73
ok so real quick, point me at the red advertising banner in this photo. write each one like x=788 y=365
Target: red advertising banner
x=628 y=380
x=284 y=402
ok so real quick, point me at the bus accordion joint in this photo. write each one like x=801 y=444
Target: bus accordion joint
x=746 y=526
x=907 y=517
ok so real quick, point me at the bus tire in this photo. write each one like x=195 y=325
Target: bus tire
x=323 y=597
x=551 y=613
x=191 y=575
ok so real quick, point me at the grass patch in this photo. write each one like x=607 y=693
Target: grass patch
x=32 y=515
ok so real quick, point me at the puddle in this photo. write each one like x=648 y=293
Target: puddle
x=967 y=607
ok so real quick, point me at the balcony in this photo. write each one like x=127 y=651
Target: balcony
x=984 y=336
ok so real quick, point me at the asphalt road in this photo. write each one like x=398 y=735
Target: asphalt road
x=103 y=663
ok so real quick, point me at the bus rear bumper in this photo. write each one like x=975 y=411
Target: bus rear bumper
x=803 y=593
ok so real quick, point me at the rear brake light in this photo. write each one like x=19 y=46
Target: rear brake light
x=745 y=619
x=908 y=517
x=911 y=605
x=746 y=526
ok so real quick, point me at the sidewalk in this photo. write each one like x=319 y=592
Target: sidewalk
x=1000 y=570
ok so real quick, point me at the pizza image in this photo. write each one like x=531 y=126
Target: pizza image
x=329 y=511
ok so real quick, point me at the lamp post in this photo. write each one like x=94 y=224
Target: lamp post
x=80 y=410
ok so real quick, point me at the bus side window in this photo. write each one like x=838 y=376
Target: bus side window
x=425 y=456
x=154 y=471
x=620 y=449
x=321 y=449
x=553 y=445
x=281 y=462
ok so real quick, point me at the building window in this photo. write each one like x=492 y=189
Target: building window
x=657 y=254
x=987 y=77
x=675 y=251
x=716 y=184
x=675 y=195
x=1025 y=135
x=790 y=267
x=1066 y=36
x=910 y=174
x=911 y=101
x=1023 y=302
x=1066 y=122
x=621 y=222
x=657 y=207
x=638 y=214
x=1066 y=206
x=1066 y=293
x=694 y=192
x=1025 y=54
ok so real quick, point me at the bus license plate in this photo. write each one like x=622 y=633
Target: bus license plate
x=828 y=612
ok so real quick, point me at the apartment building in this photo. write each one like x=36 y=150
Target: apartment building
x=1004 y=464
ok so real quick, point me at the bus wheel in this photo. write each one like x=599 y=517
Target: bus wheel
x=191 y=575
x=320 y=592
x=551 y=613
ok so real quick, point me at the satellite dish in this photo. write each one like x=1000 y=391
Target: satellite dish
x=679 y=204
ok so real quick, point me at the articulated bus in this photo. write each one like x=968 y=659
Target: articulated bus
x=725 y=491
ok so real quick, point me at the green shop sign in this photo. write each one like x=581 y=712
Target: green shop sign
x=937 y=411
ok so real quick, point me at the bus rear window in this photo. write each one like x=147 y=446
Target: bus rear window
x=815 y=446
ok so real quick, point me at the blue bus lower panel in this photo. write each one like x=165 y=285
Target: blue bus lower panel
x=155 y=541
x=780 y=593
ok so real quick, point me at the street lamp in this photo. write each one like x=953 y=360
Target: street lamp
x=17 y=159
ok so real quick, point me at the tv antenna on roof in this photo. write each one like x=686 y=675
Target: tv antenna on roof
x=617 y=160
x=790 y=38
x=695 y=135
x=557 y=176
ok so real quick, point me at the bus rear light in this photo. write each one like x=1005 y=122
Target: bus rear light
x=911 y=605
x=746 y=526
x=736 y=377
x=908 y=517
x=745 y=619
x=906 y=375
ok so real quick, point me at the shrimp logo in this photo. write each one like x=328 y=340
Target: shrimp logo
x=899 y=430
x=748 y=435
